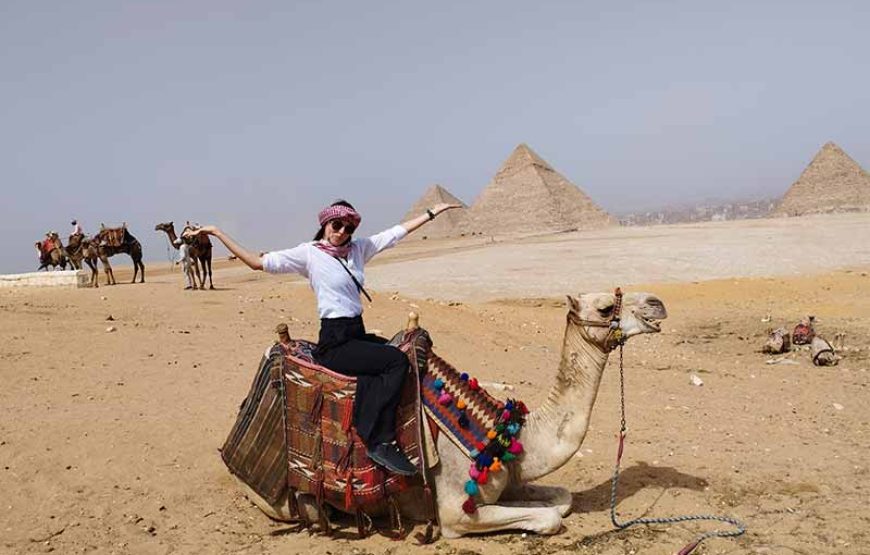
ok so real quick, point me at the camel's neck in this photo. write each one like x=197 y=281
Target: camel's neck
x=170 y=231
x=554 y=432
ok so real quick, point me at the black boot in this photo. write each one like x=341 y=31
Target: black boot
x=389 y=456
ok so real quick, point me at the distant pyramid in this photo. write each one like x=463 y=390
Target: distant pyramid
x=448 y=224
x=528 y=196
x=833 y=182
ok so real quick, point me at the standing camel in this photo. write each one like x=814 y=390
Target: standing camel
x=112 y=241
x=200 y=251
x=88 y=249
x=551 y=436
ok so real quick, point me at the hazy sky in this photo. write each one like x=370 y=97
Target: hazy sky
x=252 y=115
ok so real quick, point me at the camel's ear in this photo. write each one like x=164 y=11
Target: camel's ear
x=573 y=305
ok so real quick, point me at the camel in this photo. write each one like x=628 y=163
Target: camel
x=54 y=256
x=552 y=434
x=200 y=252
x=88 y=249
x=130 y=245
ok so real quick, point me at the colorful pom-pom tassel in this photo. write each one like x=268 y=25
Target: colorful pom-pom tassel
x=509 y=406
x=445 y=398
x=463 y=376
x=484 y=459
x=491 y=434
x=460 y=404
x=471 y=487
x=473 y=472
x=508 y=457
x=506 y=415
x=473 y=453
x=516 y=447
x=504 y=441
x=469 y=507
x=438 y=383
x=495 y=466
x=472 y=383
x=463 y=421
x=483 y=475
x=522 y=407
x=480 y=446
x=512 y=429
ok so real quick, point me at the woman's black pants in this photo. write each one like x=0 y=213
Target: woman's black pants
x=380 y=370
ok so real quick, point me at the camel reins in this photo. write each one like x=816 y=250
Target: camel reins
x=688 y=548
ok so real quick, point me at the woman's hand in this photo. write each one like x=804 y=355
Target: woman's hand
x=443 y=206
x=204 y=230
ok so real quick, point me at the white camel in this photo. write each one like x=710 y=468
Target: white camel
x=551 y=436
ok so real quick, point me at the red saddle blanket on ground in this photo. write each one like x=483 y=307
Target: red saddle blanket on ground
x=294 y=429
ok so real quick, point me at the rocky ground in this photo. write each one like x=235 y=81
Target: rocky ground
x=116 y=399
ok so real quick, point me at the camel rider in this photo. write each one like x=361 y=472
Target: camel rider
x=333 y=263
x=76 y=229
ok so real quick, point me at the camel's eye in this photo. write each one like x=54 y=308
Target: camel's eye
x=603 y=305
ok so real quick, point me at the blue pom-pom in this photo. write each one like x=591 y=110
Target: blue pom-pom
x=471 y=487
x=438 y=383
x=463 y=376
x=473 y=453
x=512 y=429
x=509 y=406
x=484 y=459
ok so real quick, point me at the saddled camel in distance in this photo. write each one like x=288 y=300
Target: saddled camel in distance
x=200 y=252
x=53 y=255
x=551 y=436
x=127 y=245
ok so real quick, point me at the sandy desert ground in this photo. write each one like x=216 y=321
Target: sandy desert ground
x=108 y=440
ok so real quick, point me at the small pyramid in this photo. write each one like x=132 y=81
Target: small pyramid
x=448 y=224
x=528 y=196
x=832 y=182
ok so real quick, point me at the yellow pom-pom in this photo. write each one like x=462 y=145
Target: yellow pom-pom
x=460 y=404
x=491 y=434
x=495 y=466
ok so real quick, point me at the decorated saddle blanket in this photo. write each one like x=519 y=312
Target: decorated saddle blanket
x=295 y=428
x=113 y=236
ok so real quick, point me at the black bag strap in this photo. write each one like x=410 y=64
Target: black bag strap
x=359 y=287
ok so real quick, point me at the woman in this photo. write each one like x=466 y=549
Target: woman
x=333 y=264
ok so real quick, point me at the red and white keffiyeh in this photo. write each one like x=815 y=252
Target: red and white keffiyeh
x=339 y=212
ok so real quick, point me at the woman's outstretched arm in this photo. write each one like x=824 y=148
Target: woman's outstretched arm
x=254 y=262
x=415 y=223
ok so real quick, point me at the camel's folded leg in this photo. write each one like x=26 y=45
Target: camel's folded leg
x=492 y=518
x=535 y=495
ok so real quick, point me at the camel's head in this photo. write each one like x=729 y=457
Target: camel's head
x=641 y=313
x=165 y=226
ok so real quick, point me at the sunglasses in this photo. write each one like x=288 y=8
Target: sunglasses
x=338 y=225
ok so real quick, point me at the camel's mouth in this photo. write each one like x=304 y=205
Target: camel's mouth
x=650 y=325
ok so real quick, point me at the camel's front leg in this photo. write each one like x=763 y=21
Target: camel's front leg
x=492 y=518
x=535 y=495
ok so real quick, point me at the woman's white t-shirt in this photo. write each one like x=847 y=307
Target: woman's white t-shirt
x=337 y=294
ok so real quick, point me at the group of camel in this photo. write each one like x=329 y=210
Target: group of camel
x=111 y=241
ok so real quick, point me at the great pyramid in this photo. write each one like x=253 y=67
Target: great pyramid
x=448 y=224
x=832 y=182
x=528 y=196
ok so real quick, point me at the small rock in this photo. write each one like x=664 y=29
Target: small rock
x=695 y=380
x=111 y=329
x=110 y=318
x=838 y=406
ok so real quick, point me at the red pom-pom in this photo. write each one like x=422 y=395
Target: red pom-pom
x=523 y=407
x=472 y=383
x=469 y=507
x=483 y=476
